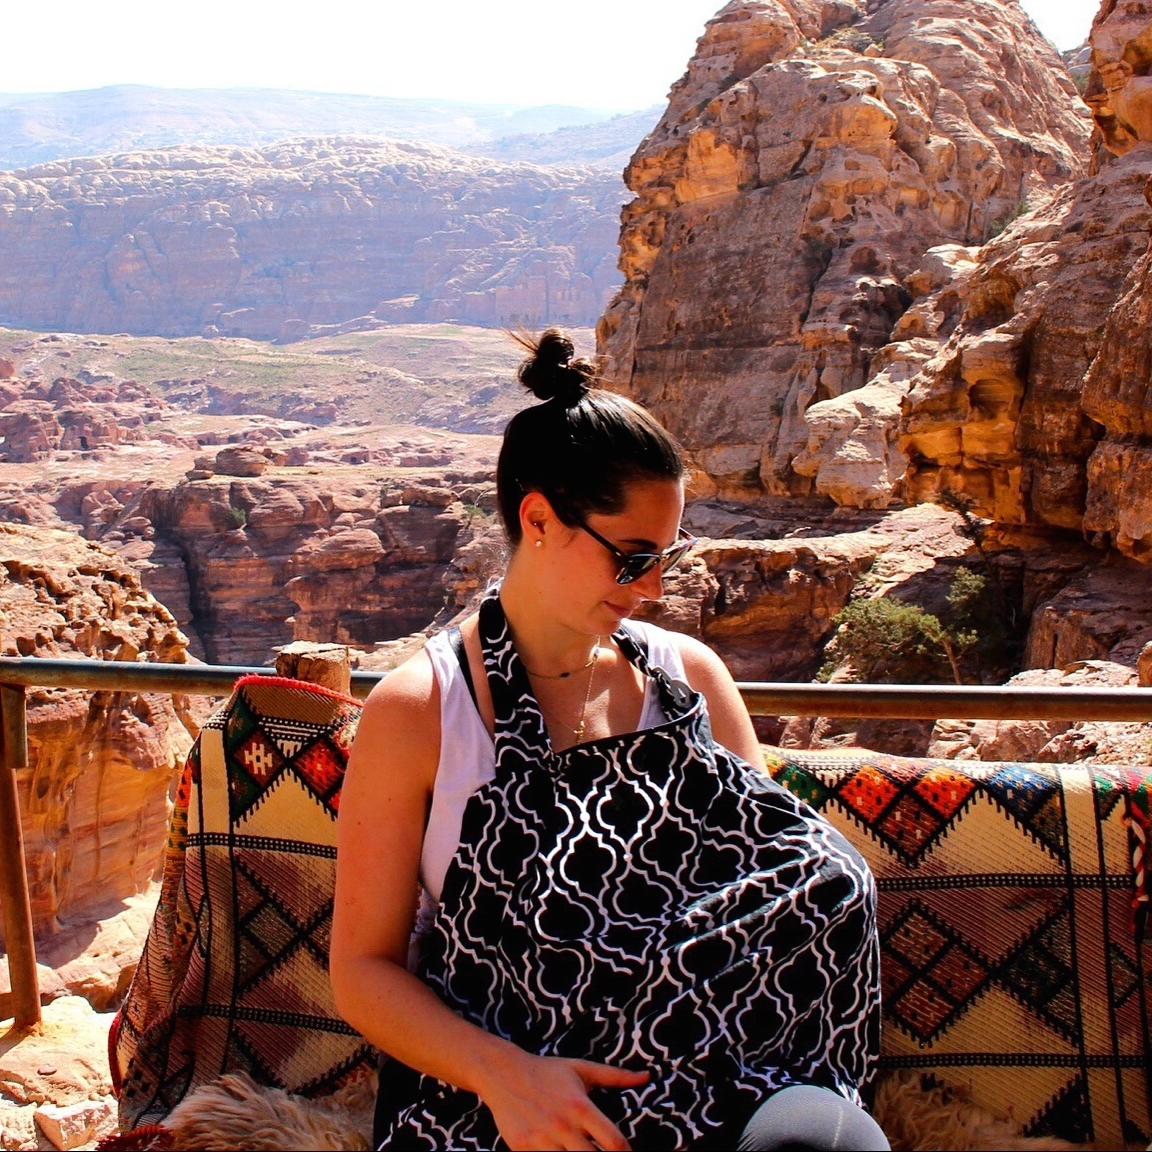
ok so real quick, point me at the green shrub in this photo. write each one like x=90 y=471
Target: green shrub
x=237 y=516
x=882 y=639
x=1001 y=222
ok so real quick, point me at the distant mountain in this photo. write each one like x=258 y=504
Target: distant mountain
x=605 y=144
x=303 y=237
x=36 y=128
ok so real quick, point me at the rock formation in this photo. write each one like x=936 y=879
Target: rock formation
x=767 y=605
x=283 y=240
x=362 y=556
x=1119 y=89
x=810 y=156
x=94 y=799
x=1036 y=404
x=999 y=413
x=1118 y=398
x=37 y=419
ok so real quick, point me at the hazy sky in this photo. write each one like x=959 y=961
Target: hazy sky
x=619 y=54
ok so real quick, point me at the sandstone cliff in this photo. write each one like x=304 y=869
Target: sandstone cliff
x=358 y=557
x=1036 y=403
x=999 y=412
x=277 y=241
x=95 y=797
x=811 y=155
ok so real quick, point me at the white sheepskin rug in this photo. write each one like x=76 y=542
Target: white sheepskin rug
x=915 y=1116
x=235 y=1112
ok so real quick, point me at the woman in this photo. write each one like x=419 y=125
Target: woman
x=629 y=936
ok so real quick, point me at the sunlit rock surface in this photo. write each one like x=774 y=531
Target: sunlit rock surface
x=809 y=158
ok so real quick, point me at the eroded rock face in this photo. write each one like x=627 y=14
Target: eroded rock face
x=94 y=799
x=1105 y=613
x=1120 y=84
x=767 y=605
x=263 y=561
x=1118 y=397
x=787 y=193
x=1050 y=741
x=38 y=419
x=1001 y=412
x=302 y=237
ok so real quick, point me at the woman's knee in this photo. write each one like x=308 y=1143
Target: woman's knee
x=805 y=1116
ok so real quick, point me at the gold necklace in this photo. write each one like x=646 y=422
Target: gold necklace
x=578 y=731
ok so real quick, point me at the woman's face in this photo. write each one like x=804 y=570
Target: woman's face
x=581 y=572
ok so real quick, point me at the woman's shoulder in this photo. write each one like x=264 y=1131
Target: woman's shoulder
x=398 y=737
x=407 y=692
x=657 y=638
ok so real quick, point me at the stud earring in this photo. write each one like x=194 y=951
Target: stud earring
x=539 y=543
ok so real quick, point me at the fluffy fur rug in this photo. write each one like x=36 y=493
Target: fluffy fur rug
x=235 y=1112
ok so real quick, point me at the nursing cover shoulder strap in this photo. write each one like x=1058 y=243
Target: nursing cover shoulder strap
x=676 y=697
x=517 y=713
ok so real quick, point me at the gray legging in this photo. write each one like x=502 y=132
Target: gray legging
x=806 y=1117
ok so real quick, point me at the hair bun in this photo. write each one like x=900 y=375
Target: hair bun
x=550 y=373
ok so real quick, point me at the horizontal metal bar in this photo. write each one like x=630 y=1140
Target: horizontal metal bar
x=889 y=701
x=939 y=701
x=123 y=676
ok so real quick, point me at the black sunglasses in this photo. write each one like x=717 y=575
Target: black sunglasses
x=633 y=565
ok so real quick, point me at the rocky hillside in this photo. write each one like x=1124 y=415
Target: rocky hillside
x=254 y=531
x=301 y=237
x=95 y=798
x=923 y=284
x=808 y=159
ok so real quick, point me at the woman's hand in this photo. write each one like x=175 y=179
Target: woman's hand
x=541 y=1102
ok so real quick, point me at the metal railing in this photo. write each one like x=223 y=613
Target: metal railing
x=913 y=702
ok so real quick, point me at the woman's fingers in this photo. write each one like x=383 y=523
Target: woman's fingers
x=544 y=1103
x=606 y=1076
x=606 y=1135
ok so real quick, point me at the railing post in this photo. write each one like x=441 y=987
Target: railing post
x=14 y=901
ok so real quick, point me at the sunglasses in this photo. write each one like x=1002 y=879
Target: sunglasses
x=633 y=565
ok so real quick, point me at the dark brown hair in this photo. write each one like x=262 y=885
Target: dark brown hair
x=582 y=446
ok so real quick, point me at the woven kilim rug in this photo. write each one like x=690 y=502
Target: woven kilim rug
x=234 y=975
x=1010 y=962
x=1010 y=899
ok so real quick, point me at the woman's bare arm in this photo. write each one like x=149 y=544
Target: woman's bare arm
x=536 y=1102
x=731 y=724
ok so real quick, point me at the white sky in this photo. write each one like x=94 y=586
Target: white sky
x=618 y=54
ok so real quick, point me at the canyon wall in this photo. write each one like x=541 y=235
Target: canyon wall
x=808 y=159
x=94 y=799
x=353 y=558
x=1036 y=405
x=279 y=241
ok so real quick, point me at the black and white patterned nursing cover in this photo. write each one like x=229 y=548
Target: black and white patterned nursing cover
x=653 y=902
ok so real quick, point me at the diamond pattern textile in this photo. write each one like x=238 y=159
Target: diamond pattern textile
x=235 y=970
x=1010 y=952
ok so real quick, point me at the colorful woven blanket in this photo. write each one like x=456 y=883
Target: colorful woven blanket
x=1010 y=955
x=234 y=975
x=1010 y=960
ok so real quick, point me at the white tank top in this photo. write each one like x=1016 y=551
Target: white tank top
x=468 y=756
